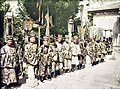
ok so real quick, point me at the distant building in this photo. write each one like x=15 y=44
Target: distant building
x=107 y=18
x=103 y=17
x=99 y=16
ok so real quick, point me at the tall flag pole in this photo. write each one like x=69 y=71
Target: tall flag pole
x=39 y=9
x=42 y=21
x=48 y=25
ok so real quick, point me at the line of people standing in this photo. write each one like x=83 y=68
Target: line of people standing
x=54 y=57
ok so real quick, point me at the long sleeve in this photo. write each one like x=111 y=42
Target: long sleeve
x=3 y=55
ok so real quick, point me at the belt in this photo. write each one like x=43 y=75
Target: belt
x=74 y=55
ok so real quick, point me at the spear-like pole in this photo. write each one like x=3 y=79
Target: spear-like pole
x=48 y=27
x=40 y=4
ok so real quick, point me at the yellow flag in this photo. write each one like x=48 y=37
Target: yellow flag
x=51 y=21
x=37 y=4
x=47 y=16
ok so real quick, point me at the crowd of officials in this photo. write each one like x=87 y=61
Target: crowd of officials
x=54 y=57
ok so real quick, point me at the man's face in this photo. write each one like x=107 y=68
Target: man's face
x=45 y=42
x=32 y=39
x=74 y=40
x=10 y=42
x=59 y=39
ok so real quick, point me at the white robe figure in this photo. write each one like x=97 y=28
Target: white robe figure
x=59 y=50
x=66 y=55
x=75 y=51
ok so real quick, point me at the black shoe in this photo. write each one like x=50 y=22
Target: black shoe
x=79 y=67
x=97 y=62
x=41 y=78
x=69 y=70
x=59 y=72
x=72 y=70
x=53 y=75
x=49 y=77
x=102 y=60
x=83 y=66
x=94 y=63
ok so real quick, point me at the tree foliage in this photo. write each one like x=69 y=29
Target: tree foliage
x=61 y=10
x=3 y=9
x=3 y=6
x=1 y=3
x=22 y=12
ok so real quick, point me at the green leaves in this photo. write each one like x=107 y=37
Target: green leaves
x=1 y=3
x=3 y=6
x=61 y=12
x=59 y=9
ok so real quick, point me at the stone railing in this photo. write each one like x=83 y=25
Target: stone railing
x=116 y=52
x=116 y=49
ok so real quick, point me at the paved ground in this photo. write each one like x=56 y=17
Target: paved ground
x=102 y=76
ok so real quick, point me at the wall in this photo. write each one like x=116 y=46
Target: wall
x=106 y=22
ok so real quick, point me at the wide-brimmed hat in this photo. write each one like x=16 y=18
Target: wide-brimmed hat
x=75 y=37
x=9 y=37
x=32 y=35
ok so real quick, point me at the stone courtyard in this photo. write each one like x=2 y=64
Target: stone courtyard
x=105 y=75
